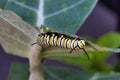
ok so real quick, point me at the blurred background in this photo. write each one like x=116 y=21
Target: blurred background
x=104 y=18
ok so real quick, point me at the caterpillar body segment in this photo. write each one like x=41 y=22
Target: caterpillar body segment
x=61 y=40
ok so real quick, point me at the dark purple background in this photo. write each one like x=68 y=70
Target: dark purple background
x=100 y=21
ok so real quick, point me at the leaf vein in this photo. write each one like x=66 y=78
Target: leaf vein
x=64 y=9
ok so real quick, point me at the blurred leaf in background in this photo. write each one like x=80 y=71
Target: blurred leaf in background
x=56 y=73
x=111 y=39
x=68 y=74
x=19 y=72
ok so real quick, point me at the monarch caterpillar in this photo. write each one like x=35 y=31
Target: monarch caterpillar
x=61 y=40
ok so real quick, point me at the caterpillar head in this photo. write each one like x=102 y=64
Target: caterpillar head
x=83 y=42
x=37 y=40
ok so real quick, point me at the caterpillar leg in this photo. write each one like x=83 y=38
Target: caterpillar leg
x=82 y=49
x=33 y=43
x=73 y=49
x=77 y=38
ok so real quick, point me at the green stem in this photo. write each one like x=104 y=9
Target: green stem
x=36 y=70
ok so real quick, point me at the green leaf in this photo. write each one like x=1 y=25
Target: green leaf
x=96 y=62
x=111 y=39
x=19 y=72
x=27 y=9
x=16 y=36
x=67 y=15
x=63 y=15
x=57 y=73
x=2 y=3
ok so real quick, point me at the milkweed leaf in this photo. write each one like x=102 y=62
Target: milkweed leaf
x=16 y=36
x=58 y=73
x=68 y=16
x=63 y=15
x=19 y=72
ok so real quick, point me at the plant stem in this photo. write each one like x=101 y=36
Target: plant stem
x=36 y=70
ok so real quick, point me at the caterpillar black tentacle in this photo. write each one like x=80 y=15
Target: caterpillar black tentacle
x=34 y=43
x=61 y=40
